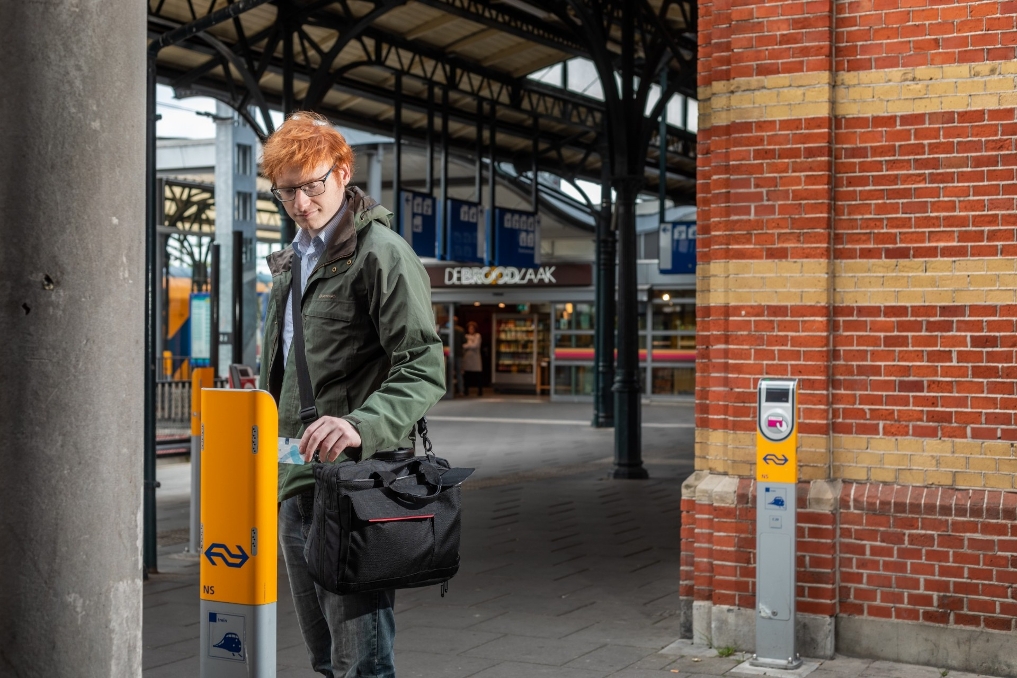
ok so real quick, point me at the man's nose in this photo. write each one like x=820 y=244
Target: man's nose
x=300 y=201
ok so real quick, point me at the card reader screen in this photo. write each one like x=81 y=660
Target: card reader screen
x=778 y=395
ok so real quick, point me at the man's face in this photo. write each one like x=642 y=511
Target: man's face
x=314 y=212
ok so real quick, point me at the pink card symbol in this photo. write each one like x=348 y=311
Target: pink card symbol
x=777 y=422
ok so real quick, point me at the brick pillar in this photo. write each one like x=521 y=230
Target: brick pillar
x=765 y=199
x=857 y=193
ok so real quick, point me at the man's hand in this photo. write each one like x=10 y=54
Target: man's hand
x=330 y=436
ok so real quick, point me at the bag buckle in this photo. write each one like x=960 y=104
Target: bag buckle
x=308 y=415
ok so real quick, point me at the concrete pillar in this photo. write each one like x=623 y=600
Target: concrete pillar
x=72 y=200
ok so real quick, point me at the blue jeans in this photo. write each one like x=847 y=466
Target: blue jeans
x=350 y=636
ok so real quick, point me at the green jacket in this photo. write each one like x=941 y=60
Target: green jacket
x=372 y=351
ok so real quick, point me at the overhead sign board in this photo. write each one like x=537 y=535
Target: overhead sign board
x=466 y=226
x=558 y=275
x=419 y=217
x=678 y=247
x=516 y=238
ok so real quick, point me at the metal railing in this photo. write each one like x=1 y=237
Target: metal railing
x=173 y=400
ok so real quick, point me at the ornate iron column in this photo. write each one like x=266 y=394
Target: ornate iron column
x=628 y=457
x=604 y=317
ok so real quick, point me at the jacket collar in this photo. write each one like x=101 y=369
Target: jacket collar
x=344 y=240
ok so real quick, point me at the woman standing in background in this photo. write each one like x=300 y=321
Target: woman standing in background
x=472 y=365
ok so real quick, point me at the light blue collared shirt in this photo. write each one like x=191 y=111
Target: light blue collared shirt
x=309 y=250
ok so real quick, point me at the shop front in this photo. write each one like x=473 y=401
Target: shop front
x=537 y=326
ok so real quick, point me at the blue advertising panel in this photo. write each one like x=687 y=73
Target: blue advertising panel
x=678 y=247
x=419 y=226
x=467 y=232
x=516 y=238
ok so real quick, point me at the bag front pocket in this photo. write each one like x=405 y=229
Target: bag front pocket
x=385 y=541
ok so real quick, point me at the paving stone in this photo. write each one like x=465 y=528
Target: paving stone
x=555 y=651
x=445 y=616
x=634 y=672
x=653 y=662
x=625 y=634
x=168 y=654
x=411 y=664
x=521 y=670
x=707 y=666
x=610 y=658
x=184 y=667
x=842 y=664
x=440 y=641
x=525 y=624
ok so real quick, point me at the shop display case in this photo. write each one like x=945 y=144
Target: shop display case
x=514 y=359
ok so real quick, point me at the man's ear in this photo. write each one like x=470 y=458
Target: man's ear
x=342 y=175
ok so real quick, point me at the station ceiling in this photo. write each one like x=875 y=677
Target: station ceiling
x=348 y=58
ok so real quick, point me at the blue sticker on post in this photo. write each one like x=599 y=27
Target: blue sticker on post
x=775 y=498
x=226 y=636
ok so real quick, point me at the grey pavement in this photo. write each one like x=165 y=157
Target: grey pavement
x=565 y=572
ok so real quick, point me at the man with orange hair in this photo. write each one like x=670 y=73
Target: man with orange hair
x=375 y=362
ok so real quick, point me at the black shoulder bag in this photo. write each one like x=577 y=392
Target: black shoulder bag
x=388 y=522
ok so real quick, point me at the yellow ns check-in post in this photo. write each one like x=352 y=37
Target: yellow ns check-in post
x=776 y=523
x=239 y=476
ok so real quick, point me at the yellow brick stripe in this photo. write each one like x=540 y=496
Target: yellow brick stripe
x=917 y=461
x=929 y=88
x=854 y=282
x=763 y=282
x=937 y=281
x=776 y=97
x=903 y=461
x=734 y=453
x=962 y=87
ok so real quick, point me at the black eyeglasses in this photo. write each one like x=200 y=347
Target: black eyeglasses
x=310 y=189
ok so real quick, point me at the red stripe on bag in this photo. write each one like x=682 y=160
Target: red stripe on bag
x=389 y=520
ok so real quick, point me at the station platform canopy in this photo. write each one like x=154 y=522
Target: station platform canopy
x=530 y=70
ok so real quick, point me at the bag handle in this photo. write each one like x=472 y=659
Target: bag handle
x=308 y=410
x=431 y=478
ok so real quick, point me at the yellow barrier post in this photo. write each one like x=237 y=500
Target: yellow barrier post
x=239 y=476
x=202 y=377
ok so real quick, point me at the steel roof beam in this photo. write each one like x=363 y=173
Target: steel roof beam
x=510 y=21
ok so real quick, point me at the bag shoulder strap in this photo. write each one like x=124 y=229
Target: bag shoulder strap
x=308 y=411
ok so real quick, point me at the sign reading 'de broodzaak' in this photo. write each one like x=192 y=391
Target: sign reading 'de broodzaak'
x=678 y=247
x=559 y=275
x=467 y=232
x=516 y=238
x=419 y=226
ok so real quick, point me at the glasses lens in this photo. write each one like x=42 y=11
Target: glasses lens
x=284 y=194
x=314 y=188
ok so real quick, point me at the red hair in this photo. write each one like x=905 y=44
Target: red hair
x=305 y=140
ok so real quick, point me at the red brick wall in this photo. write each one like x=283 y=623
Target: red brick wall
x=935 y=555
x=929 y=554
